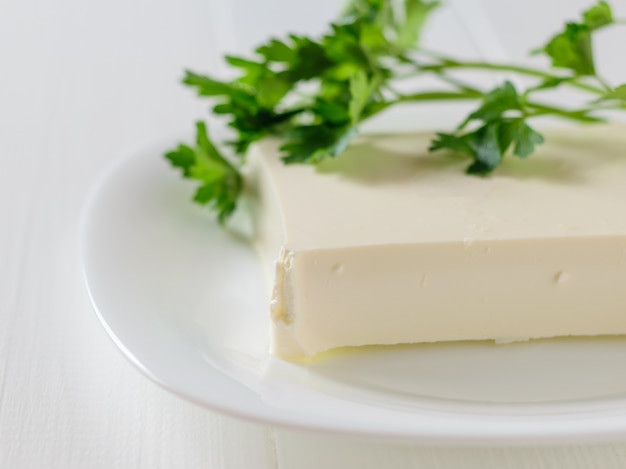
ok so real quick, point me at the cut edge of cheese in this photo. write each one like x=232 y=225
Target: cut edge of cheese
x=398 y=294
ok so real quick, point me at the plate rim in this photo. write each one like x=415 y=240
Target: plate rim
x=486 y=437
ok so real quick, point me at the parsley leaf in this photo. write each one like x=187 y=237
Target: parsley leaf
x=361 y=90
x=572 y=48
x=454 y=143
x=221 y=181
x=251 y=118
x=416 y=13
x=313 y=143
x=488 y=144
x=277 y=51
x=497 y=102
x=483 y=145
x=525 y=138
x=617 y=93
x=598 y=16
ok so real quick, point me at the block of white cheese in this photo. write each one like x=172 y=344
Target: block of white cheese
x=389 y=244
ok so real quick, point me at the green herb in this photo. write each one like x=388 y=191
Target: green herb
x=314 y=93
x=221 y=181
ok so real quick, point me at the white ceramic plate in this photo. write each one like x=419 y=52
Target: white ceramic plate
x=185 y=301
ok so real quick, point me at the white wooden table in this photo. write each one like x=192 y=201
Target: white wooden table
x=82 y=81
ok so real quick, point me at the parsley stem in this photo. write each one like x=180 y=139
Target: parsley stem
x=512 y=68
x=459 y=84
x=581 y=115
x=438 y=95
x=424 y=96
x=606 y=107
x=607 y=87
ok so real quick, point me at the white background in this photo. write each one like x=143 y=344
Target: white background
x=83 y=81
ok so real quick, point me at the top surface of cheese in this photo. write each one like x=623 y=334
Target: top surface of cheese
x=390 y=190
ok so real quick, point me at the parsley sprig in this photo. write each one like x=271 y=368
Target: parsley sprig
x=221 y=181
x=315 y=93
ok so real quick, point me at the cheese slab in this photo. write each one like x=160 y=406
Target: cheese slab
x=389 y=244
